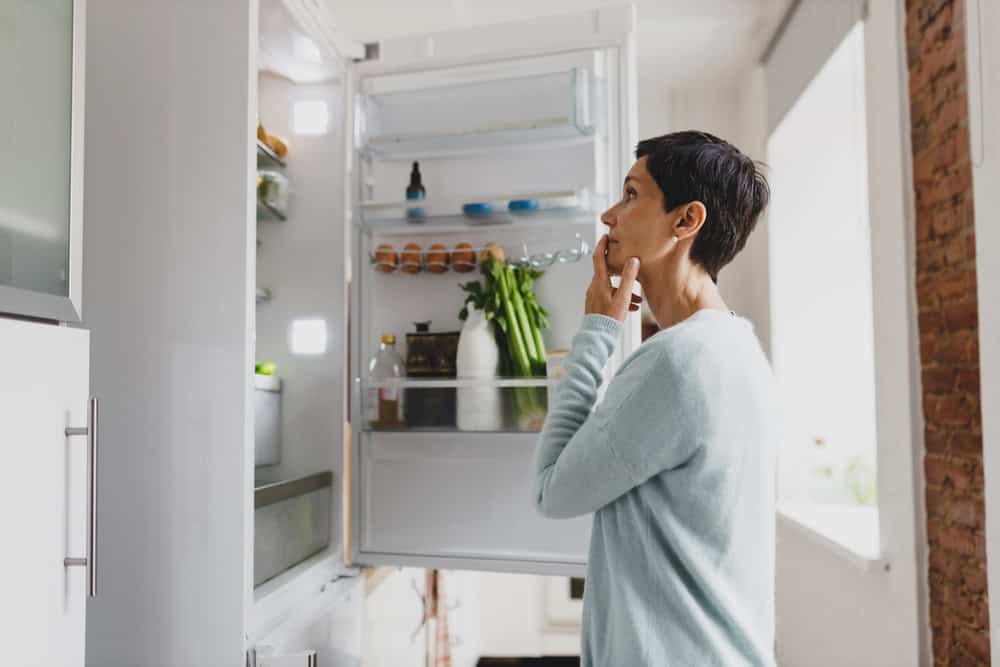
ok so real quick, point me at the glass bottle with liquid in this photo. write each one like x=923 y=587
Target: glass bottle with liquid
x=383 y=407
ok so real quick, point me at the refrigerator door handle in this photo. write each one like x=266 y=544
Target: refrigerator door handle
x=90 y=561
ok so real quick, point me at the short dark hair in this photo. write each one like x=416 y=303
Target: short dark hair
x=697 y=166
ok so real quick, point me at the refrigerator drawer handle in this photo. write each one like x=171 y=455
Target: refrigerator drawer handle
x=90 y=561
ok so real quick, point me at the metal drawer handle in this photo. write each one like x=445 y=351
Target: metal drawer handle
x=90 y=562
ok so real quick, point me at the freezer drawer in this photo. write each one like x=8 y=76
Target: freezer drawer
x=291 y=523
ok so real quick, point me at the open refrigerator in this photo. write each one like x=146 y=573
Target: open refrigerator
x=539 y=111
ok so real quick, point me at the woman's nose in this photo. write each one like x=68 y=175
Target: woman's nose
x=608 y=218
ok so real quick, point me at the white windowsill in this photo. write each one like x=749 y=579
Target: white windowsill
x=851 y=532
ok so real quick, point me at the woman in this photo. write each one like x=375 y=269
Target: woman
x=676 y=462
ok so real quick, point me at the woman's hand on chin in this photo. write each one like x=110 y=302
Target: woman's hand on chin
x=602 y=297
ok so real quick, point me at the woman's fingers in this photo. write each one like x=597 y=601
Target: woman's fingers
x=623 y=296
x=636 y=299
x=600 y=261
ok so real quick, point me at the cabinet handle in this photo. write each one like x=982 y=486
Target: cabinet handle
x=90 y=562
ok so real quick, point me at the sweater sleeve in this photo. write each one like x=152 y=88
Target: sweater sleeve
x=647 y=423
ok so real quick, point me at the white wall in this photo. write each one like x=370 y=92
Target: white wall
x=821 y=287
x=736 y=113
x=828 y=611
x=167 y=243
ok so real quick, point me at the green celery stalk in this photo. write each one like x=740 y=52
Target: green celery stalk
x=515 y=337
x=522 y=318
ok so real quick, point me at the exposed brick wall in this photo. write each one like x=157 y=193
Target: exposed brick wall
x=948 y=324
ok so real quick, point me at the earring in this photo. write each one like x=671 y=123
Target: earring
x=676 y=239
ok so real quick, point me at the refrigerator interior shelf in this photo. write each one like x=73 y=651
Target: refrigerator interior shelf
x=375 y=209
x=501 y=220
x=551 y=132
x=265 y=211
x=538 y=260
x=264 y=151
x=403 y=428
x=450 y=405
x=434 y=383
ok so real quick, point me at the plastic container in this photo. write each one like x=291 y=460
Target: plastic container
x=522 y=205
x=272 y=189
x=477 y=209
x=478 y=408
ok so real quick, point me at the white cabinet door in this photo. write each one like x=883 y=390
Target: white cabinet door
x=444 y=497
x=42 y=47
x=43 y=498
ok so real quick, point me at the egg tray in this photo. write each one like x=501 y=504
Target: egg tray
x=536 y=261
x=422 y=266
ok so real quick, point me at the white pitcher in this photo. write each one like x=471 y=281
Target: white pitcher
x=478 y=408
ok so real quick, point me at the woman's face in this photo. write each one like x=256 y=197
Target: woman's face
x=637 y=225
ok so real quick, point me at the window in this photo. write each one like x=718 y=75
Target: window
x=821 y=298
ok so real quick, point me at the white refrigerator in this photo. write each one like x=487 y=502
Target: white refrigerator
x=539 y=111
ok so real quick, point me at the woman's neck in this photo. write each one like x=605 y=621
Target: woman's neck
x=677 y=291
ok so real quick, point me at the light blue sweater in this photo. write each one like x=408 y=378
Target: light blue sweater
x=677 y=465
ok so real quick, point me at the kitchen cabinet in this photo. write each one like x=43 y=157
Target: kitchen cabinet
x=42 y=53
x=44 y=498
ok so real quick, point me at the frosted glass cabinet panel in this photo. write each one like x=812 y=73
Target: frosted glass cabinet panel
x=40 y=157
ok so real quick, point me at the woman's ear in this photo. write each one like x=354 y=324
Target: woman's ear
x=692 y=217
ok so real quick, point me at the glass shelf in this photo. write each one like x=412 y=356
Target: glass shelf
x=564 y=207
x=488 y=405
x=430 y=383
x=264 y=152
x=502 y=221
x=559 y=131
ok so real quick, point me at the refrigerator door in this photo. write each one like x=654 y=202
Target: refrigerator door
x=448 y=497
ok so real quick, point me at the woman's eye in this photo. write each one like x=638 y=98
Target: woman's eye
x=630 y=194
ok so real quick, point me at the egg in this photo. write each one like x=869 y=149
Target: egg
x=386 y=258
x=411 y=258
x=463 y=258
x=492 y=248
x=437 y=258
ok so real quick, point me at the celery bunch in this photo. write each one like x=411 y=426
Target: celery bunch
x=507 y=298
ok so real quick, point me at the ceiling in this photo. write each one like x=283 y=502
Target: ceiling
x=680 y=43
